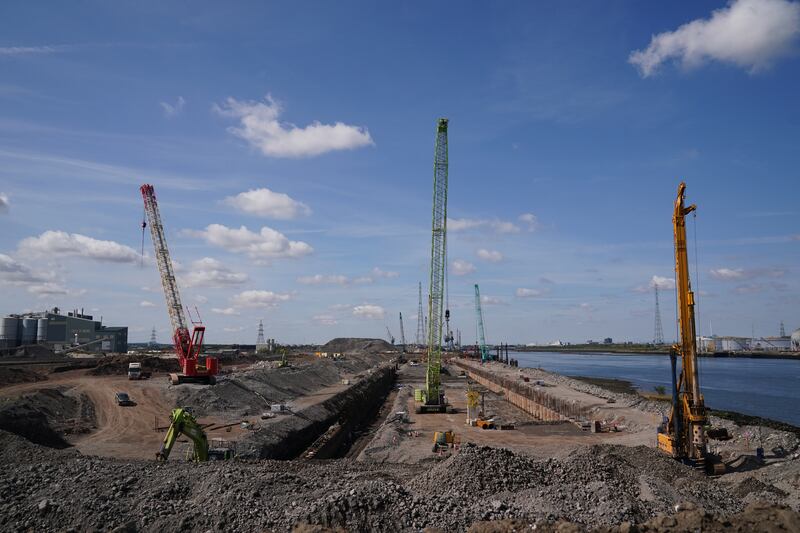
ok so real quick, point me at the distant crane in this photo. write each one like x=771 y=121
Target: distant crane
x=187 y=346
x=485 y=355
x=402 y=334
x=658 y=336
x=420 y=320
x=389 y=333
x=433 y=399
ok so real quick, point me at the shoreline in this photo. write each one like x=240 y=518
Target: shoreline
x=617 y=350
x=624 y=386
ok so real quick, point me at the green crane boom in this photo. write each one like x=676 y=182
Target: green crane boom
x=485 y=355
x=434 y=396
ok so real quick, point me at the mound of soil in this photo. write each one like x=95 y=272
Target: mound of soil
x=10 y=376
x=352 y=344
x=35 y=351
x=118 y=365
x=33 y=416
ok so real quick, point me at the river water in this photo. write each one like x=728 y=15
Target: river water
x=762 y=387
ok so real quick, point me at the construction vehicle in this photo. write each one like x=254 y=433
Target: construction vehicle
x=134 y=370
x=284 y=362
x=683 y=435
x=432 y=397
x=484 y=351
x=187 y=346
x=183 y=423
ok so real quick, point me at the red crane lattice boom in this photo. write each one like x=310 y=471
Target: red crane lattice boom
x=187 y=346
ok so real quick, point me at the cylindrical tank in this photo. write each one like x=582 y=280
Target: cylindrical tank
x=8 y=332
x=29 y=330
x=41 y=331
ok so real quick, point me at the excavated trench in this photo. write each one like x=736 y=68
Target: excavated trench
x=325 y=430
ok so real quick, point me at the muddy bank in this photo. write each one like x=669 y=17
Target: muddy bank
x=46 y=416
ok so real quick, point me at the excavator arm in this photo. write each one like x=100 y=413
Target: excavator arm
x=184 y=423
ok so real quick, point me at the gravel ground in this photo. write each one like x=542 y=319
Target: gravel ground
x=43 y=490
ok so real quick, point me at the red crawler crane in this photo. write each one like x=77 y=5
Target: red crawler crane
x=187 y=346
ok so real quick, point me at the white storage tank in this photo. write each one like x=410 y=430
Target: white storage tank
x=41 y=331
x=29 y=330
x=8 y=332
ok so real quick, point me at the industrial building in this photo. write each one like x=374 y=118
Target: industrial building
x=744 y=344
x=62 y=332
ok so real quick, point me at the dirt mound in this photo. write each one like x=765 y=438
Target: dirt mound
x=597 y=485
x=34 y=416
x=35 y=351
x=11 y=375
x=352 y=344
x=118 y=364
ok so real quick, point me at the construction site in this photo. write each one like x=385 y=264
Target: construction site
x=361 y=434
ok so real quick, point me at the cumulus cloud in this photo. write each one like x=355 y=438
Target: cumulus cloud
x=15 y=272
x=59 y=243
x=259 y=126
x=266 y=203
x=740 y=274
x=528 y=293
x=530 y=220
x=267 y=244
x=320 y=279
x=146 y=303
x=259 y=299
x=171 y=110
x=751 y=34
x=492 y=300
x=493 y=256
x=325 y=320
x=229 y=311
x=5 y=204
x=200 y=299
x=44 y=290
x=208 y=272
x=378 y=273
x=368 y=311
x=234 y=329
x=656 y=281
x=496 y=225
x=462 y=268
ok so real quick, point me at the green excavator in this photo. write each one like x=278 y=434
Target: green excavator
x=183 y=423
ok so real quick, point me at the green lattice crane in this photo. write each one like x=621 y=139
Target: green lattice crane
x=433 y=397
x=485 y=355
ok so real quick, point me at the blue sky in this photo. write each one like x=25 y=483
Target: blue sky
x=571 y=125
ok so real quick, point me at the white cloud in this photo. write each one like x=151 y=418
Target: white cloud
x=259 y=126
x=738 y=274
x=496 y=225
x=325 y=320
x=751 y=34
x=378 y=273
x=530 y=220
x=229 y=311
x=209 y=272
x=59 y=243
x=15 y=272
x=5 y=204
x=146 y=303
x=656 y=281
x=171 y=110
x=27 y=50
x=368 y=311
x=234 y=329
x=319 y=279
x=44 y=290
x=528 y=293
x=587 y=307
x=492 y=300
x=493 y=256
x=462 y=268
x=259 y=299
x=363 y=280
x=266 y=203
x=267 y=244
